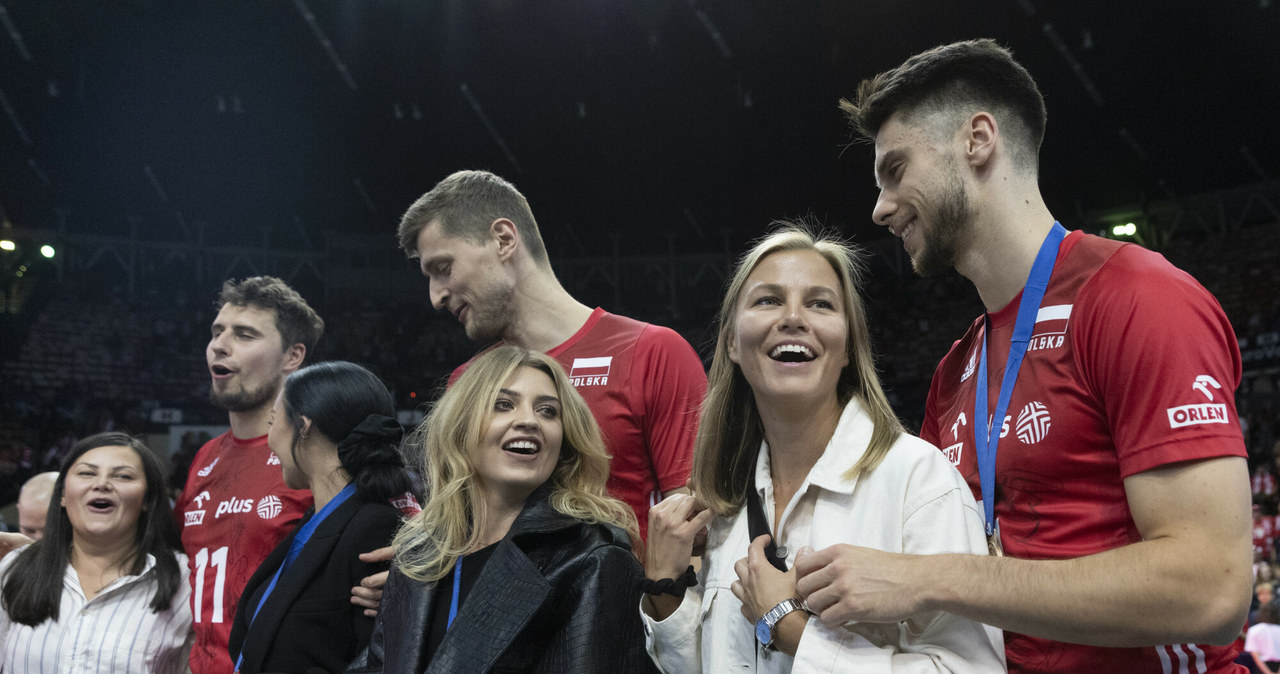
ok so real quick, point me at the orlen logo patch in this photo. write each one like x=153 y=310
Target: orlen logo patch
x=590 y=371
x=1192 y=415
x=1033 y=423
x=269 y=507
x=953 y=453
x=194 y=518
x=1205 y=413
x=273 y=460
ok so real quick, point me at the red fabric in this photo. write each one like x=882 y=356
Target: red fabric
x=233 y=511
x=1113 y=388
x=1264 y=532
x=645 y=399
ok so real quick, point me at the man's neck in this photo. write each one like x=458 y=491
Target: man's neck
x=1002 y=248
x=546 y=314
x=249 y=424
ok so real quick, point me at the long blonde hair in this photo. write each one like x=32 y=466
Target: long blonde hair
x=453 y=516
x=730 y=430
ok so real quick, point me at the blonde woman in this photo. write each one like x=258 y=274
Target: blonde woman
x=519 y=561
x=798 y=448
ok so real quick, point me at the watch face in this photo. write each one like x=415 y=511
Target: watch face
x=763 y=634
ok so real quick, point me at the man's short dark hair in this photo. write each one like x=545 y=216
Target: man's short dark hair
x=959 y=78
x=466 y=203
x=297 y=322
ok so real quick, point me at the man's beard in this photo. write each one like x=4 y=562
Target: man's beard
x=493 y=320
x=242 y=399
x=949 y=225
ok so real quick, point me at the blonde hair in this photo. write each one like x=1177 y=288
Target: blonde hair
x=453 y=515
x=730 y=430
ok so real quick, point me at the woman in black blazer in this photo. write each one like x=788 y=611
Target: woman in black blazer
x=519 y=561
x=333 y=431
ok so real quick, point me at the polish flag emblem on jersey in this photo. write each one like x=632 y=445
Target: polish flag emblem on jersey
x=1051 y=327
x=590 y=371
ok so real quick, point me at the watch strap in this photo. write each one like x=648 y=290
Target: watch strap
x=777 y=613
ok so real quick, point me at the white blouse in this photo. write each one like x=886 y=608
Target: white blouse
x=913 y=502
x=116 y=631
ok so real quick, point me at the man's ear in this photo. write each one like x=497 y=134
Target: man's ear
x=981 y=133
x=503 y=232
x=293 y=356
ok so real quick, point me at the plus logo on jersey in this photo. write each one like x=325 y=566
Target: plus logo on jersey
x=1200 y=413
x=269 y=507
x=273 y=460
x=233 y=506
x=1033 y=423
x=204 y=472
x=590 y=371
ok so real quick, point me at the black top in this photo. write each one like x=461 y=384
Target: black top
x=557 y=595
x=439 y=624
x=309 y=621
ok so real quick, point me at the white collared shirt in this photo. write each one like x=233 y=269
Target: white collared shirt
x=115 y=632
x=913 y=502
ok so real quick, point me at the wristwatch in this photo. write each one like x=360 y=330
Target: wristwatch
x=766 y=624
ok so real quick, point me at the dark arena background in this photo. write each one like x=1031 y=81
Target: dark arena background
x=149 y=150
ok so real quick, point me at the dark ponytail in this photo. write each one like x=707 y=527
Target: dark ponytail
x=371 y=456
x=351 y=407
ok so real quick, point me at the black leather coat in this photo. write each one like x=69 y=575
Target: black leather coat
x=556 y=596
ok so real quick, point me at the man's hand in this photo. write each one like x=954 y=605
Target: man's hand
x=845 y=583
x=12 y=541
x=369 y=592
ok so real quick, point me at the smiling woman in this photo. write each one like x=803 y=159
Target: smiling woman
x=798 y=448
x=519 y=560
x=105 y=584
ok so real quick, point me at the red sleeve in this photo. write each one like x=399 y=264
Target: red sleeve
x=1158 y=351
x=674 y=384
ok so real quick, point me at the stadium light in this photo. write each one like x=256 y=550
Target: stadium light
x=7 y=245
x=47 y=251
x=1127 y=229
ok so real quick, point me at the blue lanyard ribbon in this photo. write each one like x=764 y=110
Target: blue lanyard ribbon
x=304 y=534
x=457 y=589
x=1032 y=294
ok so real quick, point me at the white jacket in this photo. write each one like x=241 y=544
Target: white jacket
x=913 y=502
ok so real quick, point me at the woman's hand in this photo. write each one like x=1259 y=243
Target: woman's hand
x=675 y=526
x=760 y=587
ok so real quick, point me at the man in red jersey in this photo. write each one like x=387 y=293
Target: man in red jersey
x=1119 y=496
x=235 y=507
x=477 y=242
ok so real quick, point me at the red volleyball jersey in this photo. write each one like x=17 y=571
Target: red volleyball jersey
x=233 y=511
x=1132 y=365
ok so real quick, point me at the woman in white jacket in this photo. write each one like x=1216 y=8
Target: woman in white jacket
x=798 y=448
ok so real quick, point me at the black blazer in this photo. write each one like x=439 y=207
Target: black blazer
x=556 y=596
x=309 y=621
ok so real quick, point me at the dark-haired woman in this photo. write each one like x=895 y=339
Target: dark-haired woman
x=104 y=589
x=334 y=431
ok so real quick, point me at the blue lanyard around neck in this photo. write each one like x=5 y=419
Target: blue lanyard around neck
x=1032 y=294
x=304 y=534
